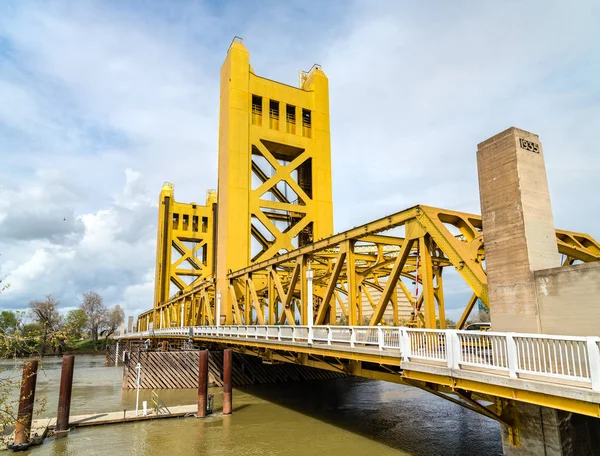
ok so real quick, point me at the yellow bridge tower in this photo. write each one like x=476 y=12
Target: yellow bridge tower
x=184 y=250
x=274 y=191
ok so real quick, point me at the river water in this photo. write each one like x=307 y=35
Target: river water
x=337 y=417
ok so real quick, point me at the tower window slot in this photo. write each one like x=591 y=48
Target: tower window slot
x=204 y=224
x=274 y=114
x=256 y=110
x=186 y=222
x=290 y=117
x=306 y=123
x=195 y=223
x=175 y=221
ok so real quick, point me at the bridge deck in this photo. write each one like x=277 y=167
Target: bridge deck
x=557 y=371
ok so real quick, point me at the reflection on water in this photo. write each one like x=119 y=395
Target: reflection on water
x=336 y=417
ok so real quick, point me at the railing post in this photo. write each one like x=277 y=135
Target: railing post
x=329 y=335
x=293 y=334
x=279 y=333
x=401 y=342
x=453 y=349
x=380 y=337
x=512 y=357
x=406 y=348
x=594 y=361
x=310 y=335
x=352 y=338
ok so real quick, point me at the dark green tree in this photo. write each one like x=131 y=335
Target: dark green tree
x=8 y=321
x=75 y=323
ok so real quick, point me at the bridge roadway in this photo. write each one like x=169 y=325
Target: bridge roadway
x=561 y=372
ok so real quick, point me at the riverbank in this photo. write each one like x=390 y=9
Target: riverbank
x=78 y=347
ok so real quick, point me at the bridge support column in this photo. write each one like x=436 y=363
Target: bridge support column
x=541 y=430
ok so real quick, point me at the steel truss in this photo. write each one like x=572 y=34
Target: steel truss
x=373 y=263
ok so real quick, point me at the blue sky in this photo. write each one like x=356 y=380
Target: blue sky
x=101 y=102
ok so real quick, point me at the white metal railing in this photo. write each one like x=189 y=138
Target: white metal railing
x=564 y=359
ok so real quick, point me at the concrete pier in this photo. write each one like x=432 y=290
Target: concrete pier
x=520 y=246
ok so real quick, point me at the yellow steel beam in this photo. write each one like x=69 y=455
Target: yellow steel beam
x=255 y=303
x=390 y=285
x=463 y=318
x=374 y=227
x=531 y=397
x=426 y=274
x=458 y=252
x=351 y=280
x=325 y=305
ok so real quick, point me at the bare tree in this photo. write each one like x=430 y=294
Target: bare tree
x=46 y=314
x=114 y=318
x=95 y=311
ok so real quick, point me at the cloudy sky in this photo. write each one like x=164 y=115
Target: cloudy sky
x=101 y=102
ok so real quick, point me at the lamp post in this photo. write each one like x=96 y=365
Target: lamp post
x=309 y=292
x=218 y=313
x=138 y=368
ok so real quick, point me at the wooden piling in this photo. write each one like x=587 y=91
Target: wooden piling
x=202 y=383
x=64 y=397
x=227 y=356
x=26 y=401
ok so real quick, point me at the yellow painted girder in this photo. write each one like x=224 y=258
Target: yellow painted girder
x=531 y=397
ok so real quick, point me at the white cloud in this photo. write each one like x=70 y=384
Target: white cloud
x=112 y=255
x=94 y=91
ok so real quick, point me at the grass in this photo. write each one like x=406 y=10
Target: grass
x=86 y=346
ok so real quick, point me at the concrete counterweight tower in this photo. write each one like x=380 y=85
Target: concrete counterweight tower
x=274 y=191
x=521 y=252
x=518 y=226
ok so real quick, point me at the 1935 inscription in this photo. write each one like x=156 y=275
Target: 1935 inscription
x=529 y=145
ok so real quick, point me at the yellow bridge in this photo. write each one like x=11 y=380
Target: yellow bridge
x=259 y=269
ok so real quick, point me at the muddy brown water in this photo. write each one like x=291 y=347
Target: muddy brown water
x=344 y=417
